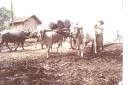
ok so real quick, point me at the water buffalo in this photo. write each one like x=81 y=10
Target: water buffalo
x=13 y=36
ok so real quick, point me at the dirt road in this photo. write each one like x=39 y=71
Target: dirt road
x=31 y=67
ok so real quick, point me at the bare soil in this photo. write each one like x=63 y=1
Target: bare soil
x=31 y=67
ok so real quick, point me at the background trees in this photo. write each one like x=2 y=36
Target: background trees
x=5 y=16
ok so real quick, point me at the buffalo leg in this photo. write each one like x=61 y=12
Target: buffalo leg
x=22 y=44
x=17 y=46
x=8 y=46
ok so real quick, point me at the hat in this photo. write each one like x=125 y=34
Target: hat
x=101 y=22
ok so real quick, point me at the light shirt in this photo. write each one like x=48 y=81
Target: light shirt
x=98 y=28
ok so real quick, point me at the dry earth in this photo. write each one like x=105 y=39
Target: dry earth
x=31 y=67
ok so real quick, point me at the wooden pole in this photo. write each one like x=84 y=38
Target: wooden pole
x=12 y=13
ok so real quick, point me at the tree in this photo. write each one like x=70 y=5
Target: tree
x=5 y=16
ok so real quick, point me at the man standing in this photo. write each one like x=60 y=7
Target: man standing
x=99 y=35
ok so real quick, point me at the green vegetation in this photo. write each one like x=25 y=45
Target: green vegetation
x=5 y=16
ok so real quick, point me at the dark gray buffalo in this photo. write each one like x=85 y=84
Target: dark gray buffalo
x=13 y=36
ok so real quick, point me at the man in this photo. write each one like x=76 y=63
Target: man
x=99 y=35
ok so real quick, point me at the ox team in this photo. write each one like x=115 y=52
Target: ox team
x=57 y=33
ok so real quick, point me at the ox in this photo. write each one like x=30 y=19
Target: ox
x=13 y=36
x=61 y=28
x=84 y=36
x=82 y=39
x=49 y=38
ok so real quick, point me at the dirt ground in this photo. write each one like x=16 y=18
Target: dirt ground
x=31 y=67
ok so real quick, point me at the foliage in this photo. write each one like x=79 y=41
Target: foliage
x=5 y=16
